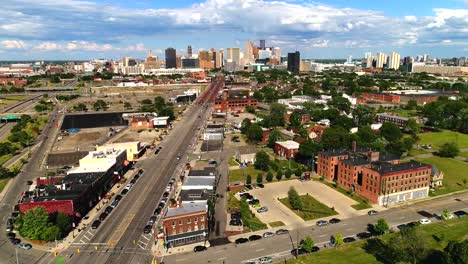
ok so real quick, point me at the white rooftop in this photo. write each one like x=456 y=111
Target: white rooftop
x=289 y=144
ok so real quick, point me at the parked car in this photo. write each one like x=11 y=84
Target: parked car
x=235 y=222
x=157 y=211
x=147 y=229
x=133 y=181
x=262 y=209
x=136 y=177
x=268 y=234
x=129 y=186
x=372 y=212
x=282 y=231
x=114 y=203
x=124 y=192
x=254 y=202
x=241 y=240
x=166 y=194
x=334 y=221
x=298 y=252
x=424 y=221
x=103 y=216
x=152 y=220
x=460 y=213
x=236 y=215
x=95 y=224
x=140 y=171
x=161 y=204
x=108 y=209
x=349 y=239
x=255 y=237
x=11 y=235
x=322 y=223
x=364 y=235
x=315 y=249
x=265 y=260
x=199 y=248
x=25 y=246
x=118 y=197
x=15 y=241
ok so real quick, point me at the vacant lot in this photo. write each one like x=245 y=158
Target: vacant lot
x=312 y=209
x=454 y=173
x=439 y=138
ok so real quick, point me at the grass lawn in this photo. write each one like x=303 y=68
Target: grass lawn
x=456 y=229
x=463 y=154
x=415 y=152
x=362 y=202
x=241 y=174
x=232 y=162
x=439 y=138
x=233 y=203
x=312 y=209
x=276 y=224
x=3 y=183
x=5 y=158
x=454 y=173
x=405 y=112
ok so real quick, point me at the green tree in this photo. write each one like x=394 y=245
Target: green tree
x=445 y=214
x=275 y=135
x=338 y=239
x=336 y=137
x=245 y=125
x=308 y=244
x=4 y=173
x=295 y=119
x=363 y=115
x=309 y=148
x=279 y=175
x=456 y=252
x=80 y=107
x=288 y=173
x=255 y=133
x=262 y=161
x=381 y=227
x=408 y=246
x=248 y=179
x=127 y=105
x=412 y=104
x=269 y=176
x=259 y=178
x=33 y=223
x=449 y=149
x=390 y=132
x=298 y=172
x=159 y=103
x=99 y=105
x=250 y=109
x=412 y=127
x=51 y=233
x=277 y=113
x=63 y=221
x=294 y=199
x=340 y=103
x=366 y=135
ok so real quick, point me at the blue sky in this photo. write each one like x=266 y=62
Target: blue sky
x=84 y=29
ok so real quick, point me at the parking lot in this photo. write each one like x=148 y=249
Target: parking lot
x=269 y=195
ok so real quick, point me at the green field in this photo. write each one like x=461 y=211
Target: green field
x=276 y=224
x=454 y=173
x=232 y=162
x=312 y=209
x=439 y=138
x=463 y=154
x=241 y=174
x=3 y=183
x=362 y=202
x=405 y=113
x=456 y=229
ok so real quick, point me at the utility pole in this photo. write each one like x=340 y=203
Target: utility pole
x=17 y=259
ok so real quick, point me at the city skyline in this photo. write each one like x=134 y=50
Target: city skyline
x=327 y=29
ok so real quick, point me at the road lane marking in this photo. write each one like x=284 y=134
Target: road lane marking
x=90 y=233
x=260 y=249
x=120 y=230
x=402 y=217
x=254 y=244
x=219 y=251
x=222 y=258
x=349 y=229
x=323 y=236
x=87 y=238
x=180 y=259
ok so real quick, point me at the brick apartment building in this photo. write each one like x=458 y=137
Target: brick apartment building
x=186 y=225
x=227 y=103
x=394 y=119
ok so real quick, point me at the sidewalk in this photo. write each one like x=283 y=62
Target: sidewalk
x=68 y=240
x=158 y=249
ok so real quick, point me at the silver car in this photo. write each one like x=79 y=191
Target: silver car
x=262 y=209
x=268 y=234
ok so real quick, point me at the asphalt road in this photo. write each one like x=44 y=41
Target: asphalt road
x=118 y=239
x=279 y=247
x=30 y=171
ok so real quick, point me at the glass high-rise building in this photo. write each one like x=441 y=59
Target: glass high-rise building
x=171 y=58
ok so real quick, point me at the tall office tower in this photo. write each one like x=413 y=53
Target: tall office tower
x=262 y=44
x=219 y=59
x=205 y=59
x=277 y=53
x=461 y=61
x=248 y=52
x=367 y=55
x=407 y=60
x=349 y=60
x=394 y=61
x=380 y=59
x=426 y=58
x=189 y=51
x=233 y=54
x=170 y=58
x=294 y=62
x=369 y=61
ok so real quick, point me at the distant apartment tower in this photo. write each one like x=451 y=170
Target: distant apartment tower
x=170 y=58
x=367 y=55
x=380 y=59
x=425 y=58
x=219 y=59
x=262 y=44
x=189 y=51
x=248 y=52
x=294 y=62
x=233 y=54
x=277 y=53
x=394 y=61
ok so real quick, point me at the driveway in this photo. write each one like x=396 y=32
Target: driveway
x=269 y=195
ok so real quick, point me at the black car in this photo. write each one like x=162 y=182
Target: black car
x=261 y=185
x=364 y=235
x=157 y=211
x=282 y=231
x=147 y=229
x=315 y=249
x=11 y=235
x=136 y=177
x=249 y=186
x=140 y=171
x=15 y=241
x=124 y=192
x=334 y=221
x=460 y=213
x=254 y=202
x=412 y=224
x=153 y=220
x=161 y=205
x=298 y=252
x=235 y=222
x=133 y=181
x=254 y=237
x=165 y=194
x=349 y=239
x=199 y=248
x=95 y=224
x=108 y=209
x=103 y=216
x=241 y=240
x=118 y=197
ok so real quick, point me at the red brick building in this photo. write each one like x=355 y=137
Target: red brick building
x=287 y=149
x=13 y=81
x=140 y=122
x=186 y=225
x=327 y=163
x=381 y=97
x=227 y=104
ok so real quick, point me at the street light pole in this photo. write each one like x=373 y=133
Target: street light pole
x=17 y=259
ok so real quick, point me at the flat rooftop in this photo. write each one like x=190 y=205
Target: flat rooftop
x=289 y=144
x=187 y=208
x=386 y=168
x=207 y=171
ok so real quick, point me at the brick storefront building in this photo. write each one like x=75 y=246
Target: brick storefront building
x=287 y=149
x=227 y=103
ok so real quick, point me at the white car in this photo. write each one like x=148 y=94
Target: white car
x=268 y=234
x=129 y=186
x=424 y=221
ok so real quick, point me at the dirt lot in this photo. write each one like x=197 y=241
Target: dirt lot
x=238 y=119
x=85 y=139
x=146 y=136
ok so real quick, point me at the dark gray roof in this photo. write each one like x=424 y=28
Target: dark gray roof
x=356 y=161
x=194 y=195
x=207 y=171
x=385 y=168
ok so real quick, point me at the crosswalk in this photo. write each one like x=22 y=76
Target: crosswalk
x=87 y=236
x=144 y=241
